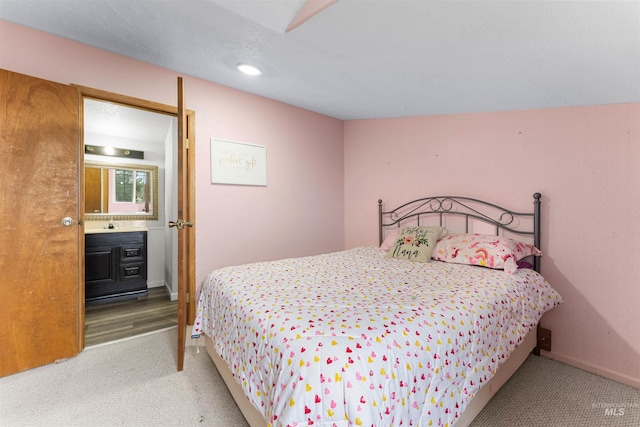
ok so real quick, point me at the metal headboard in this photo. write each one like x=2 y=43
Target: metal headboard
x=469 y=209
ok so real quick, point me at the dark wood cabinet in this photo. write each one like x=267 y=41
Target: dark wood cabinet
x=115 y=266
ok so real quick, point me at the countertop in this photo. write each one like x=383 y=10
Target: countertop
x=113 y=230
x=94 y=227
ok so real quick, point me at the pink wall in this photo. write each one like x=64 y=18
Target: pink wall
x=300 y=212
x=586 y=163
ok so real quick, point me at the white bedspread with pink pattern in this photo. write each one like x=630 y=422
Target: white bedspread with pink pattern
x=353 y=338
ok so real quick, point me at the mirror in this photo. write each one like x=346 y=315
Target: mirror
x=120 y=191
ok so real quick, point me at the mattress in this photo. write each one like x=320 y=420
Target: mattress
x=355 y=338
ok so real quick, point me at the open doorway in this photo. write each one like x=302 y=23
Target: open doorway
x=126 y=139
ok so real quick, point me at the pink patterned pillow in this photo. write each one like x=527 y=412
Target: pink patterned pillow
x=483 y=249
x=390 y=240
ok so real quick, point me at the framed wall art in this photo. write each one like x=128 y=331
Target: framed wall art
x=238 y=163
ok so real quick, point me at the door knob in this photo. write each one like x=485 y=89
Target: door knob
x=67 y=221
x=180 y=224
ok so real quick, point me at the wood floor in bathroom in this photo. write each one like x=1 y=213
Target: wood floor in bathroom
x=124 y=319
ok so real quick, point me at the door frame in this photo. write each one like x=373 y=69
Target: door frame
x=87 y=92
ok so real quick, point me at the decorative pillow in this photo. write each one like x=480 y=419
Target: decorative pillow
x=393 y=235
x=415 y=243
x=390 y=240
x=483 y=249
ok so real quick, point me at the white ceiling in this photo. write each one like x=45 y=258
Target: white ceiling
x=373 y=58
x=127 y=123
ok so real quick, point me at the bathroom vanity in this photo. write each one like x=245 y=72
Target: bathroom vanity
x=115 y=265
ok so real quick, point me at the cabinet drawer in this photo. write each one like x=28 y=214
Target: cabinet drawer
x=132 y=252
x=132 y=271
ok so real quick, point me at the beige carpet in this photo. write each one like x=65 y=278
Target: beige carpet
x=132 y=382
x=544 y=392
x=135 y=383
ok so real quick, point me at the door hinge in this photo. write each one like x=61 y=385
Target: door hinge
x=186 y=141
x=187 y=296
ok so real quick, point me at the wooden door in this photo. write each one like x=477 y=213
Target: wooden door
x=93 y=190
x=41 y=293
x=184 y=225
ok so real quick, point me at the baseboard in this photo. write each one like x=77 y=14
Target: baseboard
x=172 y=295
x=598 y=370
x=156 y=284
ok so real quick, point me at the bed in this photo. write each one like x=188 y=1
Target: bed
x=421 y=330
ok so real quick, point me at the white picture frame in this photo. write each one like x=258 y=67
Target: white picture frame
x=238 y=163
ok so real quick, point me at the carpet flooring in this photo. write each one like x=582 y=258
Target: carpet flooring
x=134 y=382
x=545 y=392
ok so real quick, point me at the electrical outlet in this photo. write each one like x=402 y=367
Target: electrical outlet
x=544 y=339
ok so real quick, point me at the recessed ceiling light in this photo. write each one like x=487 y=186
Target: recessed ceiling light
x=249 y=69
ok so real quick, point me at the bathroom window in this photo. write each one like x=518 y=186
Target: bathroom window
x=130 y=184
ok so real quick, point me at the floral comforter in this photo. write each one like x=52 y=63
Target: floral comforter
x=353 y=338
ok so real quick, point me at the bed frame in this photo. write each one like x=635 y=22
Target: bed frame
x=469 y=210
x=418 y=211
